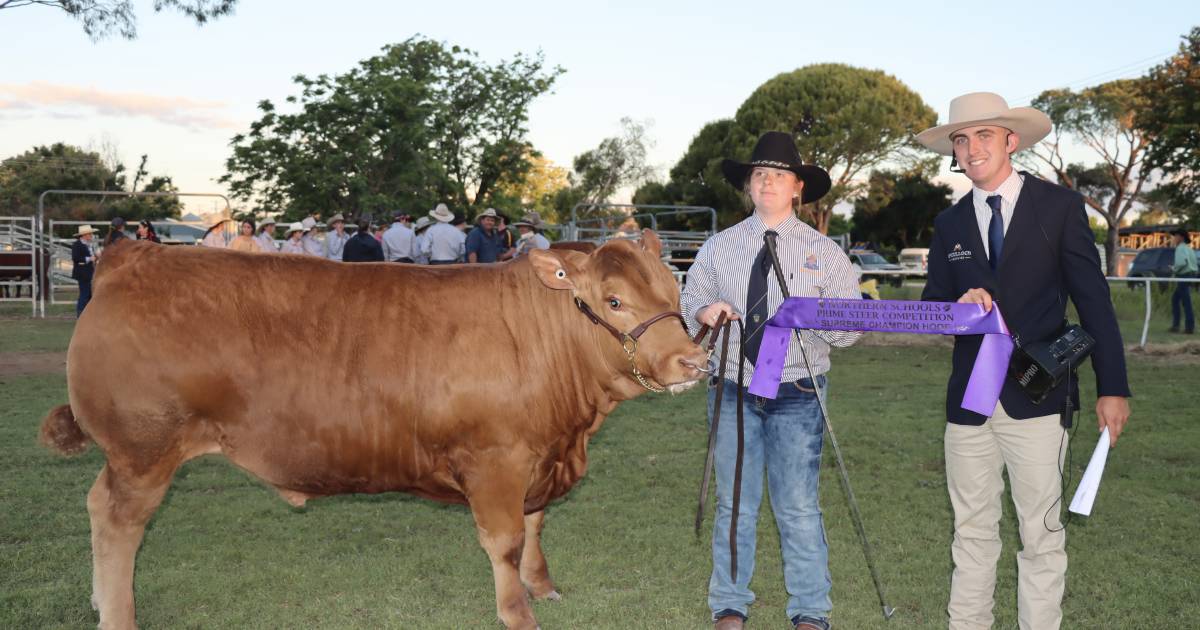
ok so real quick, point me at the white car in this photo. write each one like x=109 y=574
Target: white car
x=915 y=260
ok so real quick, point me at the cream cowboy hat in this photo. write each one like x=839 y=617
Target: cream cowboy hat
x=531 y=220
x=490 y=212
x=335 y=218
x=442 y=214
x=985 y=108
x=422 y=223
x=85 y=230
x=267 y=221
x=295 y=227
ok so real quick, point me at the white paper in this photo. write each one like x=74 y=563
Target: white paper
x=1085 y=495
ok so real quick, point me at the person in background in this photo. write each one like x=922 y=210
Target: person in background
x=116 y=231
x=83 y=265
x=419 y=255
x=444 y=244
x=482 y=244
x=530 y=227
x=362 y=247
x=145 y=232
x=266 y=236
x=245 y=241
x=215 y=235
x=1184 y=267
x=377 y=231
x=336 y=240
x=313 y=246
x=504 y=238
x=293 y=239
x=398 y=240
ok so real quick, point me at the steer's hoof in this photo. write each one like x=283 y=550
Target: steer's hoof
x=552 y=596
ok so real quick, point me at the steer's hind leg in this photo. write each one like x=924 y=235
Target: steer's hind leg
x=497 y=495
x=120 y=504
x=534 y=572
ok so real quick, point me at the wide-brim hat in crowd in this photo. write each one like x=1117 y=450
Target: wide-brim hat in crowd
x=267 y=221
x=531 y=220
x=441 y=214
x=422 y=223
x=776 y=149
x=490 y=212
x=295 y=227
x=335 y=218
x=84 y=230
x=985 y=108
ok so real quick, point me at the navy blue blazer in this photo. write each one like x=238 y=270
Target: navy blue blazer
x=81 y=267
x=1049 y=254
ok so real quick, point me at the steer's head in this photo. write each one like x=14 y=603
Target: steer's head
x=626 y=285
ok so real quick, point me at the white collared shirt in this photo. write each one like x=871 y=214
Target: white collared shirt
x=815 y=267
x=1008 y=190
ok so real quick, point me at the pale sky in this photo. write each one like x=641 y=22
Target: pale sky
x=179 y=92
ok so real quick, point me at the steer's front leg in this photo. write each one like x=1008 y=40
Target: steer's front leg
x=496 y=492
x=534 y=572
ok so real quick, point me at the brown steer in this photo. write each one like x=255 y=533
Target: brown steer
x=173 y=354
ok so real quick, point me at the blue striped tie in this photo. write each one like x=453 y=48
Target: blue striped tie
x=995 y=232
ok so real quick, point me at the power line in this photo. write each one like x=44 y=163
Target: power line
x=1126 y=71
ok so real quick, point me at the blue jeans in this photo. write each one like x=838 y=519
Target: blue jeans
x=1182 y=298
x=85 y=296
x=784 y=436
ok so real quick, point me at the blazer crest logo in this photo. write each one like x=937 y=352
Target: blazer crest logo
x=958 y=253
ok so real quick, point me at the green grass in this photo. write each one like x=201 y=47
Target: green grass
x=225 y=552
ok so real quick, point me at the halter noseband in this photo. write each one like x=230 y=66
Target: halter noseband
x=629 y=340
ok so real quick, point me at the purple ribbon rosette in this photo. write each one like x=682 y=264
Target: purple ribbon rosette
x=895 y=316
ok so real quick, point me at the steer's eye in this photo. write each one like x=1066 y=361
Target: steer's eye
x=614 y=303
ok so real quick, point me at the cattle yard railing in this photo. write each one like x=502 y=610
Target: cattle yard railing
x=17 y=262
x=43 y=242
x=1146 y=282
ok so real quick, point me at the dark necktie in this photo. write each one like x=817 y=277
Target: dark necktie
x=756 y=302
x=995 y=232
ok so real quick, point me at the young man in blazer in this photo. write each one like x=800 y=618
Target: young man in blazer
x=1024 y=245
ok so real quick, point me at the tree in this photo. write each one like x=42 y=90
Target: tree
x=1100 y=118
x=60 y=166
x=897 y=209
x=1172 y=120
x=420 y=123
x=846 y=120
x=617 y=162
x=101 y=17
x=536 y=192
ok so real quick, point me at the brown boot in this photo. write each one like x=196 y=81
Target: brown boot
x=729 y=622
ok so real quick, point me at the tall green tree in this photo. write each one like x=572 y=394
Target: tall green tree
x=897 y=209
x=617 y=162
x=1102 y=120
x=421 y=123
x=61 y=166
x=101 y=18
x=846 y=120
x=1172 y=119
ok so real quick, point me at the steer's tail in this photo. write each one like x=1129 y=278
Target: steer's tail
x=60 y=432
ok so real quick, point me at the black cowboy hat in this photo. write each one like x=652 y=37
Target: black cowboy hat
x=776 y=149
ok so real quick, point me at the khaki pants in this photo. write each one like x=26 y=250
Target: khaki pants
x=1032 y=451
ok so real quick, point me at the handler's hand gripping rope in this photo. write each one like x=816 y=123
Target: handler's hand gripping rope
x=888 y=611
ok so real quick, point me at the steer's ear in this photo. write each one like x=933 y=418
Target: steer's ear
x=557 y=269
x=651 y=243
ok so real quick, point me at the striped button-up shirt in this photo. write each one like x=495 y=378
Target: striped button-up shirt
x=813 y=264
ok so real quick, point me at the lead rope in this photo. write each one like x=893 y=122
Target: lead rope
x=726 y=327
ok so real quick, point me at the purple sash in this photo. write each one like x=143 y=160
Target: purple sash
x=928 y=318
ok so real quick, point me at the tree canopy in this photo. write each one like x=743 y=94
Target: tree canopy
x=846 y=120
x=897 y=209
x=102 y=18
x=60 y=166
x=1172 y=119
x=420 y=123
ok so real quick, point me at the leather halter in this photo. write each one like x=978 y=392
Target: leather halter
x=629 y=340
